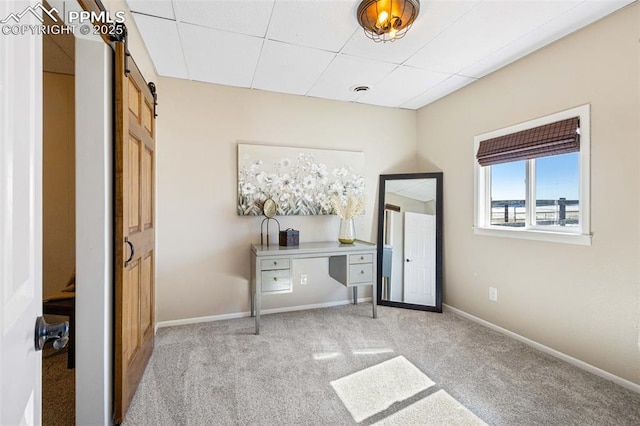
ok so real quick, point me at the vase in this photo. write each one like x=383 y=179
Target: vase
x=347 y=234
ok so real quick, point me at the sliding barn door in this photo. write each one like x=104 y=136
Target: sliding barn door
x=135 y=229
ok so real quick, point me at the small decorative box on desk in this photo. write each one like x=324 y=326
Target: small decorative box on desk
x=289 y=237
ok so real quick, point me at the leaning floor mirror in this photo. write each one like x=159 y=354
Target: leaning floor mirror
x=410 y=241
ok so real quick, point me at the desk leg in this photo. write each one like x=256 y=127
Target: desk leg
x=257 y=297
x=355 y=295
x=252 y=297
x=374 y=299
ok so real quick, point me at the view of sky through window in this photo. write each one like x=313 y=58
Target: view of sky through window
x=557 y=177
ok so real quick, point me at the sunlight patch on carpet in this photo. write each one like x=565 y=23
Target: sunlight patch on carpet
x=439 y=408
x=374 y=389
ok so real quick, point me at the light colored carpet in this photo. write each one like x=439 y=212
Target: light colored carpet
x=220 y=373
x=439 y=408
x=58 y=388
x=376 y=388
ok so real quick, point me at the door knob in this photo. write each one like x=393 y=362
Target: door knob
x=408 y=260
x=59 y=332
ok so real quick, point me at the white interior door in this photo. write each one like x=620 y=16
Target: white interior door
x=20 y=220
x=420 y=259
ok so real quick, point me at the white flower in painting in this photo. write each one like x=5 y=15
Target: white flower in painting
x=319 y=170
x=248 y=188
x=308 y=198
x=255 y=164
x=260 y=196
x=323 y=201
x=264 y=179
x=286 y=183
x=336 y=188
x=297 y=191
x=341 y=172
x=309 y=182
x=285 y=163
x=284 y=197
x=305 y=159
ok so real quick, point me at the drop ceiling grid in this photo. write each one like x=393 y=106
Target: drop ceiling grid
x=219 y=62
x=316 y=48
x=287 y=26
x=277 y=73
x=450 y=85
x=164 y=45
x=344 y=73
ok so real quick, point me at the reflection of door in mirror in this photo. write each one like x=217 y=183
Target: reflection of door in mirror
x=419 y=266
x=409 y=242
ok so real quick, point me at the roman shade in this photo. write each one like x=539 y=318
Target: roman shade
x=561 y=137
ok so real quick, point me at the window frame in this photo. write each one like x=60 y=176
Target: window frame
x=482 y=187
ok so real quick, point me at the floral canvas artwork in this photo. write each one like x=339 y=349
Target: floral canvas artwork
x=302 y=181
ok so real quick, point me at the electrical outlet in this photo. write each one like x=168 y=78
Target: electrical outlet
x=303 y=279
x=493 y=294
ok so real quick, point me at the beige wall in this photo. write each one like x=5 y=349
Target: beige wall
x=58 y=174
x=203 y=246
x=582 y=301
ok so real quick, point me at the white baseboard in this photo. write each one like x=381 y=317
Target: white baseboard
x=567 y=358
x=235 y=315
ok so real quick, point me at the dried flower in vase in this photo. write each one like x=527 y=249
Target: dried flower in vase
x=352 y=206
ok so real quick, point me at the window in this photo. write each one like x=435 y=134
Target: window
x=532 y=179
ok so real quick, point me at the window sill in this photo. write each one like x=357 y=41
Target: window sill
x=529 y=234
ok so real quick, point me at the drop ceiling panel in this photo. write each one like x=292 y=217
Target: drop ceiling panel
x=434 y=17
x=219 y=61
x=306 y=23
x=163 y=43
x=344 y=73
x=416 y=189
x=401 y=86
x=276 y=71
x=450 y=85
x=250 y=17
x=564 y=24
x=162 y=9
x=487 y=28
x=396 y=51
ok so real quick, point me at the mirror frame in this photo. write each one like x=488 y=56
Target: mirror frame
x=380 y=245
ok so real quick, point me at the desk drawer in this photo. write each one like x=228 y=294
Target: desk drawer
x=279 y=280
x=361 y=273
x=271 y=264
x=360 y=258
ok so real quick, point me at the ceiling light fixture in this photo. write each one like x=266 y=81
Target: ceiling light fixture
x=387 y=20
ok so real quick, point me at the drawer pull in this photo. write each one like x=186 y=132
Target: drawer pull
x=362 y=272
x=275 y=263
x=361 y=257
x=275 y=278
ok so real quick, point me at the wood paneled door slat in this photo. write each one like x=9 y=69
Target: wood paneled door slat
x=134 y=230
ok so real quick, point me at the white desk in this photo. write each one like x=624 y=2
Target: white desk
x=352 y=265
